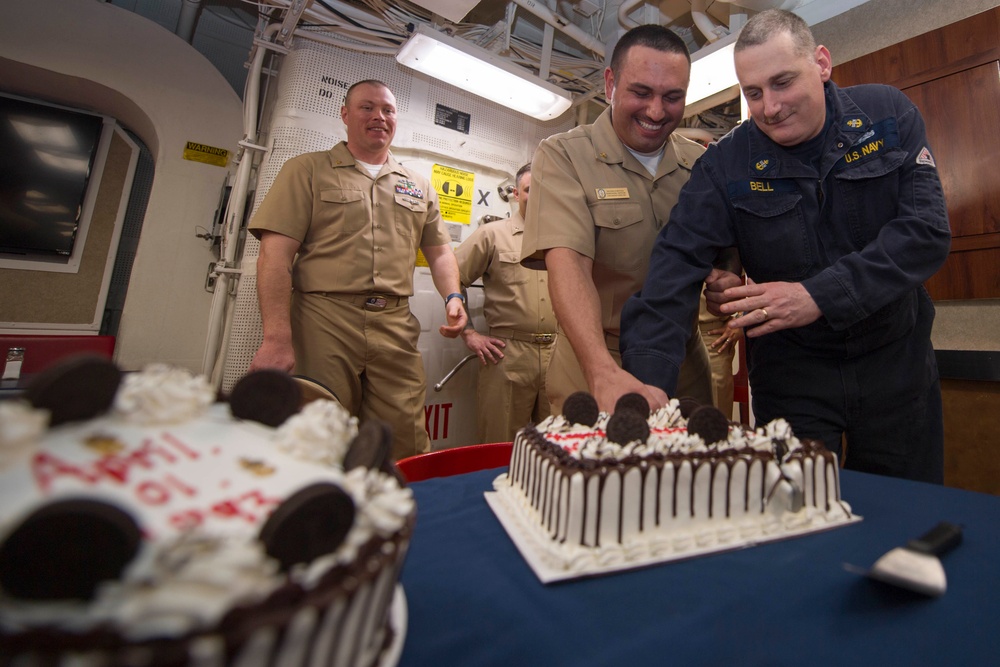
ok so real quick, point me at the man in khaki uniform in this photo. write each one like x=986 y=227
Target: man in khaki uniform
x=601 y=194
x=721 y=342
x=522 y=325
x=339 y=232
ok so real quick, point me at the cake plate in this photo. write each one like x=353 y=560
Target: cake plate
x=398 y=618
x=548 y=571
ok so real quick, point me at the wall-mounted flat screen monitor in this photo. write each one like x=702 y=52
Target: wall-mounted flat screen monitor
x=47 y=157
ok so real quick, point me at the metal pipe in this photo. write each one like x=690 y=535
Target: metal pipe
x=454 y=370
x=564 y=26
x=217 y=341
x=188 y=20
x=625 y=9
x=699 y=14
x=546 y=63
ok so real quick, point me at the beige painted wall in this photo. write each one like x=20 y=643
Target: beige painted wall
x=96 y=56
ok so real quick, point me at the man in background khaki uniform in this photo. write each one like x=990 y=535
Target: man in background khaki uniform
x=721 y=342
x=601 y=193
x=522 y=325
x=339 y=232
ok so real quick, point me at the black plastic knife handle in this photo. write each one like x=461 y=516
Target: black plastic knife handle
x=939 y=540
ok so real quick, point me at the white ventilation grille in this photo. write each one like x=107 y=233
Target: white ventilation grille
x=489 y=120
x=246 y=334
x=499 y=161
x=315 y=78
x=431 y=142
x=287 y=141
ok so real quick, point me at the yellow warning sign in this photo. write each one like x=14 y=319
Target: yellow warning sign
x=454 y=189
x=205 y=153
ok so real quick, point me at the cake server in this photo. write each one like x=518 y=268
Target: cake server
x=917 y=566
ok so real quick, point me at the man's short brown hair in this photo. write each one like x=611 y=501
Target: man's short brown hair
x=366 y=82
x=762 y=27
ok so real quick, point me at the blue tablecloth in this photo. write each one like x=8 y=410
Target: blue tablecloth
x=473 y=601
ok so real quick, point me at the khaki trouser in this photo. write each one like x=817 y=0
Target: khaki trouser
x=368 y=358
x=512 y=393
x=565 y=375
x=722 y=365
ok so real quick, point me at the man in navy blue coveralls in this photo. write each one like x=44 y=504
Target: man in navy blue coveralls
x=833 y=199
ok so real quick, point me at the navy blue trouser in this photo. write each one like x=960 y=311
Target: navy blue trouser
x=886 y=403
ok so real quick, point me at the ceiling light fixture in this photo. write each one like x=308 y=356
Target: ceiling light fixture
x=476 y=70
x=712 y=73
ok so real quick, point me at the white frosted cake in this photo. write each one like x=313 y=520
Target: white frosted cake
x=656 y=491
x=165 y=531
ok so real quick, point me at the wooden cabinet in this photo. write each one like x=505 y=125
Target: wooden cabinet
x=953 y=76
x=971 y=424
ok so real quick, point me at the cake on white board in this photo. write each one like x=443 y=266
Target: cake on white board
x=142 y=522
x=588 y=493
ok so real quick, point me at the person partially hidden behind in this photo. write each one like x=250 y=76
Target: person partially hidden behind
x=833 y=200
x=721 y=342
x=339 y=232
x=600 y=193
x=515 y=352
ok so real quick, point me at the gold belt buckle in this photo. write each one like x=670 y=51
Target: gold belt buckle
x=543 y=338
x=375 y=303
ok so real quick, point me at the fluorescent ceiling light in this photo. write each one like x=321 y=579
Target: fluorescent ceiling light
x=712 y=73
x=74 y=163
x=482 y=73
x=41 y=133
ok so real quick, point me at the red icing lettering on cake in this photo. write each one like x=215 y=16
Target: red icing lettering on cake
x=112 y=467
x=187 y=451
x=45 y=468
x=571 y=442
x=158 y=493
x=241 y=507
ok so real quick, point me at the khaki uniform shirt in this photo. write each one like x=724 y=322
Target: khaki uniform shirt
x=590 y=194
x=516 y=297
x=359 y=235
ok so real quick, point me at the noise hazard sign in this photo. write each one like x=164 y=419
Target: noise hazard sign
x=454 y=189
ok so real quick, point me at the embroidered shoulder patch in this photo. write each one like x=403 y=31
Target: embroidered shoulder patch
x=925 y=157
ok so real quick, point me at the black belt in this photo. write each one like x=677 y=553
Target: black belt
x=536 y=338
x=370 y=301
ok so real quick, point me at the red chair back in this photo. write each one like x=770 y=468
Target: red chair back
x=455 y=461
x=40 y=352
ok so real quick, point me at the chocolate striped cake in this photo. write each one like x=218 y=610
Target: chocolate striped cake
x=593 y=488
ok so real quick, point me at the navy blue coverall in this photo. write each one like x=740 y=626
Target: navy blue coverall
x=861 y=223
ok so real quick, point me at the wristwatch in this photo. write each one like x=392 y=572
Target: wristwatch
x=454 y=295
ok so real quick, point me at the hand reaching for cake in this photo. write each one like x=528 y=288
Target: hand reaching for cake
x=617 y=382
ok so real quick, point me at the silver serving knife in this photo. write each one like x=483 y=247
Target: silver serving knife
x=917 y=566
